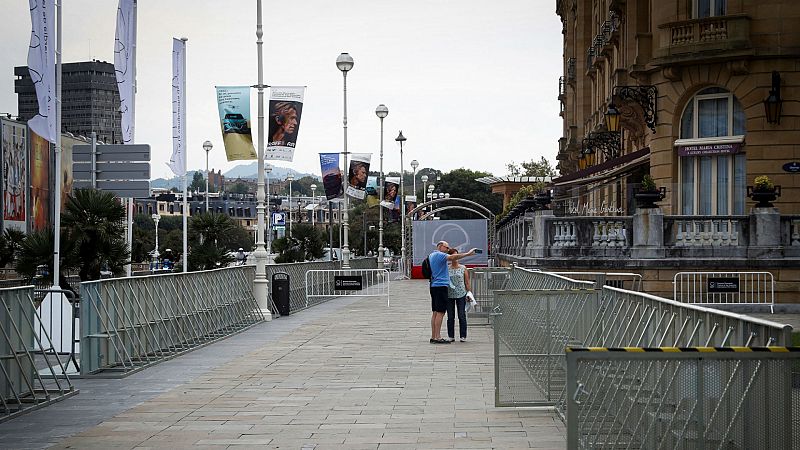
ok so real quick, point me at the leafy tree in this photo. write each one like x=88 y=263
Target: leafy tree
x=10 y=242
x=209 y=229
x=93 y=222
x=237 y=238
x=306 y=244
x=532 y=168
x=238 y=188
x=198 y=182
x=460 y=183
x=303 y=186
x=211 y=226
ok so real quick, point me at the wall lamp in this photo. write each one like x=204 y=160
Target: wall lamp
x=773 y=103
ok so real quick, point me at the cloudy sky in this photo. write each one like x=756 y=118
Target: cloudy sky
x=471 y=84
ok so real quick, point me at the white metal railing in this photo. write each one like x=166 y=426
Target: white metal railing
x=725 y=288
x=623 y=280
x=325 y=284
x=130 y=323
x=32 y=373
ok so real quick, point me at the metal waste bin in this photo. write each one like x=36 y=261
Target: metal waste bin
x=280 y=292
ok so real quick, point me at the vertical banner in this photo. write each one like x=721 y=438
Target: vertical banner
x=331 y=175
x=285 y=109
x=391 y=187
x=178 y=160
x=42 y=67
x=15 y=174
x=233 y=103
x=411 y=203
x=40 y=182
x=67 y=142
x=124 y=46
x=357 y=175
x=372 y=192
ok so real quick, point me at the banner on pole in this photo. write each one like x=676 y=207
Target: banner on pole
x=40 y=182
x=391 y=186
x=178 y=160
x=357 y=175
x=233 y=103
x=285 y=109
x=124 y=45
x=15 y=174
x=42 y=67
x=331 y=175
x=372 y=192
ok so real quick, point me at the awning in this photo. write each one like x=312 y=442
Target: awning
x=609 y=169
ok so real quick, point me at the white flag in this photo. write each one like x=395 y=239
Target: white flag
x=42 y=67
x=124 y=45
x=178 y=160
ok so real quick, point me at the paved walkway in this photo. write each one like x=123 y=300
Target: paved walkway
x=350 y=373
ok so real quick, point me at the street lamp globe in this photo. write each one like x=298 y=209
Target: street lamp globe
x=414 y=165
x=207 y=146
x=424 y=178
x=345 y=62
x=381 y=111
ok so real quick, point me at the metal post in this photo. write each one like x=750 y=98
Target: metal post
x=290 y=178
x=345 y=66
x=400 y=138
x=314 y=202
x=185 y=185
x=156 y=218
x=207 y=151
x=260 y=284
x=330 y=230
x=268 y=170
x=57 y=215
x=381 y=111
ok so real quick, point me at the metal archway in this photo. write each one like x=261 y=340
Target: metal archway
x=472 y=207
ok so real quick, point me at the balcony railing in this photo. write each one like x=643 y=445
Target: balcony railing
x=571 y=70
x=690 y=38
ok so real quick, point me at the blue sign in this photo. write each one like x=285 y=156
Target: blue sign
x=278 y=218
x=792 y=167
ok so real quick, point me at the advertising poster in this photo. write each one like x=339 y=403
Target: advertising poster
x=462 y=235
x=15 y=173
x=357 y=175
x=285 y=109
x=66 y=167
x=391 y=186
x=411 y=203
x=331 y=175
x=40 y=182
x=233 y=103
x=372 y=192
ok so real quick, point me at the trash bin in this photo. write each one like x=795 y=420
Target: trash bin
x=280 y=292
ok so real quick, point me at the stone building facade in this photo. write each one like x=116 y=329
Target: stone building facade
x=689 y=81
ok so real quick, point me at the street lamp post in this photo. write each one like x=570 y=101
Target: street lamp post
x=400 y=138
x=424 y=179
x=156 y=218
x=345 y=63
x=414 y=165
x=260 y=284
x=314 y=202
x=267 y=171
x=207 y=146
x=290 y=178
x=430 y=196
x=381 y=111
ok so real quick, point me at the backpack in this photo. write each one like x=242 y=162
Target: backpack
x=426 y=268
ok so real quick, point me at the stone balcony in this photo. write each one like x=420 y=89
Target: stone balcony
x=700 y=39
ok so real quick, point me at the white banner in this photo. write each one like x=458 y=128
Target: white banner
x=124 y=47
x=42 y=67
x=357 y=175
x=178 y=160
x=285 y=109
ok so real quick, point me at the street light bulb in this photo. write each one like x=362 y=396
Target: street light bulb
x=268 y=168
x=400 y=138
x=381 y=111
x=207 y=146
x=290 y=177
x=345 y=62
x=424 y=178
x=414 y=164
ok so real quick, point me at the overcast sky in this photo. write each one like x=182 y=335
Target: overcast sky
x=471 y=84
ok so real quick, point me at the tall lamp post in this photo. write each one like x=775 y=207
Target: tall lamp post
x=267 y=171
x=414 y=165
x=156 y=218
x=345 y=63
x=381 y=111
x=290 y=178
x=400 y=138
x=424 y=179
x=207 y=146
x=314 y=202
x=260 y=284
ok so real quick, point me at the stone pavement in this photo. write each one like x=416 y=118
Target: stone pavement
x=350 y=373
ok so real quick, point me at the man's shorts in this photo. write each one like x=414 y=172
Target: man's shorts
x=439 y=298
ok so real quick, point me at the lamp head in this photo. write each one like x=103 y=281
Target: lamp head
x=290 y=178
x=414 y=164
x=381 y=111
x=207 y=146
x=612 y=118
x=424 y=178
x=268 y=168
x=345 y=62
x=400 y=138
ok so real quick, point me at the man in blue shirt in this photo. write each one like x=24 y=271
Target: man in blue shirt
x=440 y=280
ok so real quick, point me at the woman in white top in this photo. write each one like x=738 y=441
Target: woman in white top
x=457 y=298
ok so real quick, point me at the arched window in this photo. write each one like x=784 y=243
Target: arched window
x=711 y=155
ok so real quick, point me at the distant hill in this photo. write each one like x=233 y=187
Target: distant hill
x=240 y=171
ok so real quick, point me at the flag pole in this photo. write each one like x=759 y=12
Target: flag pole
x=57 y=202
x=130 y=203
x=182 y=119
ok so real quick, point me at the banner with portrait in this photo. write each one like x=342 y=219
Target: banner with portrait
x=357 y=175
x=331 y=175
x=14 y=173
x=67 y=180
x=391 y=187
x=372 y=192
x=233 y=104
x=285 y=109
x=410 y=204
x=40 y=182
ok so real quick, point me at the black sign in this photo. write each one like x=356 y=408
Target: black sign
x=347 y=283
x=792 y=167
x=723 y=285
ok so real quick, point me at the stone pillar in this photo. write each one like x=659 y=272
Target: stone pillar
x=538 y=247
x=765 y=233
x=648 y=234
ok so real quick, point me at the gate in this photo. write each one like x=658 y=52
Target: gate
x=326 y=284
x=725 y=288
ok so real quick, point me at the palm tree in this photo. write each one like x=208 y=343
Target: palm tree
x=211 y=226
x=35 y=257
x=10 y=242
x=212 y=229
x=93 y=222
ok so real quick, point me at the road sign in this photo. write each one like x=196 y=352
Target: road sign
x=122 y=169
x=125 y=189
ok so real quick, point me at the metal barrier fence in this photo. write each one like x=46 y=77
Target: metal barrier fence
x=297 y=276
x=29 y=365
x=483 y=281
x=326 y=284
x=725 y=288
x=534 y=279
x=622 y=280
x=532 y=328
x=690 y=398
x=128 y=324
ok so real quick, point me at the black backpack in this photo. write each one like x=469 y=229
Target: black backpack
x=426 y=268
